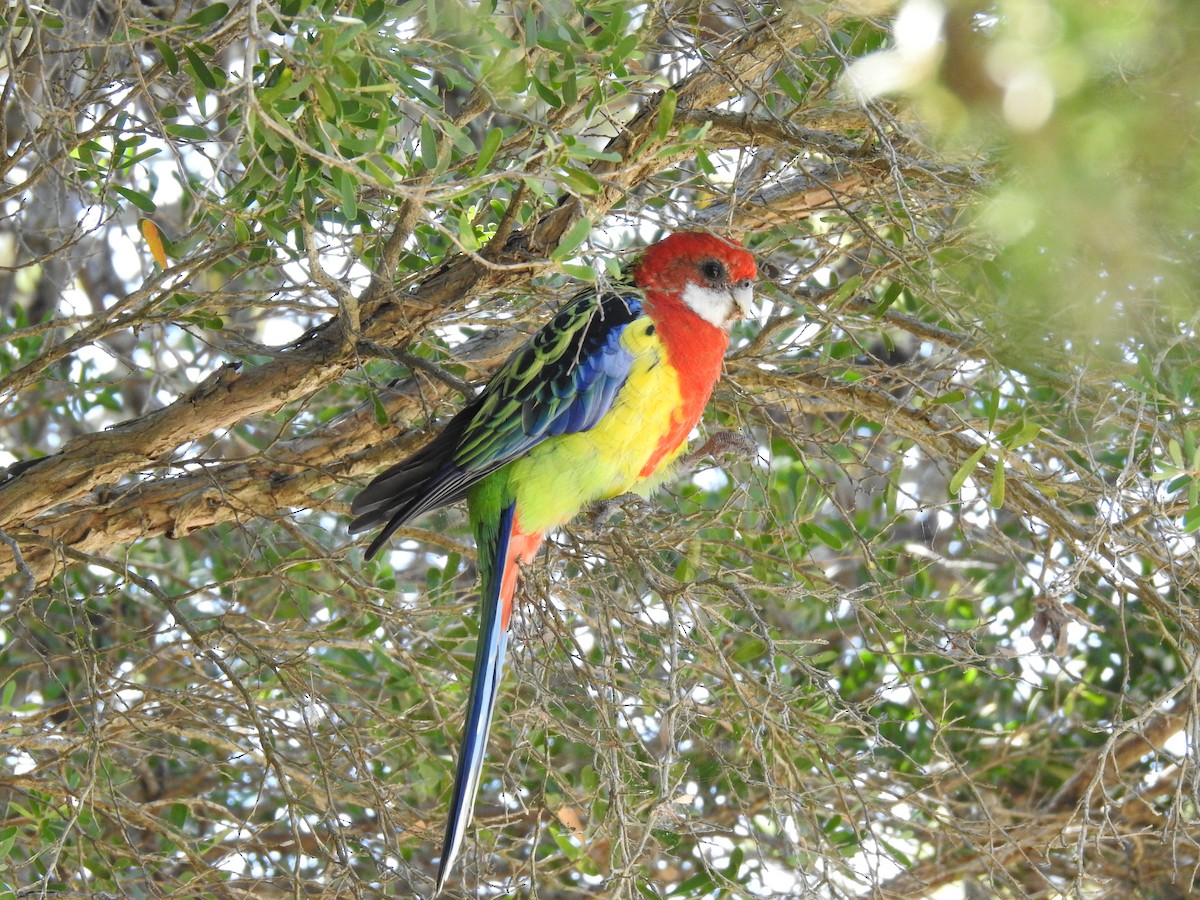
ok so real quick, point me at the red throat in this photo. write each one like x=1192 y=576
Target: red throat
x=696 y=351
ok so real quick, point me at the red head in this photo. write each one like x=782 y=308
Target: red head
x=713 y=276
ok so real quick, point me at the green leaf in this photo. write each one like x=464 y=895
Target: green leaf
x=138 y=199
x=206 y=16
x=290 y=182
x=583 y=181
x=734 y=868
x=137 y=158
x=429 y=149
x=625 y=47
x=347 y=189
x=466 y=232
x=993 y=407
x=570 y=241
x=383 y=658
x=785 y=83
x=551 y=99
x=589 y=780
x=381 y=414
x=169 y=58
x=699 y=884
x=965 y=470
x=570 y=85
x=1018 y=434
x=191 y=132
x=568 y=847
x=201 y=70
x=177 y=815
x=491 y=143
x=582 y=273
x=897 y=854
x=749 y=650
x=374 y=12
x=997 y=494
x=949 y=397
x=825 y=536
x=460 y=138
x=666 y=114
x=846 y=290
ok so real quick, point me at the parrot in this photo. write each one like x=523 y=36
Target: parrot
x=596 y=404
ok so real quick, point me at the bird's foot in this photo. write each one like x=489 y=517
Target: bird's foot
x=606 y=509
x=723 y=443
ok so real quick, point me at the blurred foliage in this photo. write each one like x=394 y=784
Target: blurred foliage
x=937 y=640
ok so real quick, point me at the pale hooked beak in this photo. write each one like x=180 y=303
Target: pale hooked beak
x=743 y=301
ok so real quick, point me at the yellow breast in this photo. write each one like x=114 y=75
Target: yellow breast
x=560 y=476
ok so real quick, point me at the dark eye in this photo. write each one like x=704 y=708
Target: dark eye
x=712 y=271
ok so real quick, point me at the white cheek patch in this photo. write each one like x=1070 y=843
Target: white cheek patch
x=713 y=305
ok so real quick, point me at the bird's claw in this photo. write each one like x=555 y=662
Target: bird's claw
x=723 y=443
x=606 y=509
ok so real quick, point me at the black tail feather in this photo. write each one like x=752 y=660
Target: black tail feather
x=424 y=481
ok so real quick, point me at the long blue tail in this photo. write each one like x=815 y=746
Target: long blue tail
x=498 y=557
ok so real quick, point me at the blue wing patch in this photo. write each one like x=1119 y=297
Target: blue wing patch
x=580 y=385
x=563 y=380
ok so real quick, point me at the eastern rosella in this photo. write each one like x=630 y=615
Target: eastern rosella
x=597 y=403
